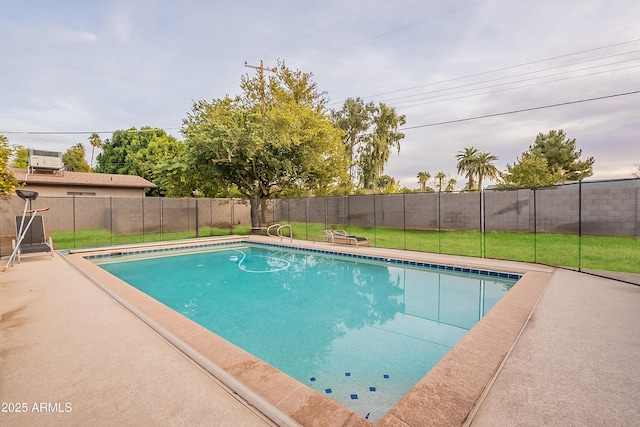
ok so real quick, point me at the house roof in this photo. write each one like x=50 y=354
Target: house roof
x=82 y=179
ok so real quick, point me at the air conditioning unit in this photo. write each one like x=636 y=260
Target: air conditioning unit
x=50 y=160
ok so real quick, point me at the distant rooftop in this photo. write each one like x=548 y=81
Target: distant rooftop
x=81 y=179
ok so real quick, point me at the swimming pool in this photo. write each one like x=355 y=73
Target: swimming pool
x=361 y=330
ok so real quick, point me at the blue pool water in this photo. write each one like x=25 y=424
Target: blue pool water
x=360 y=331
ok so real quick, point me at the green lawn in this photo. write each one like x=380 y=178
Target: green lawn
x=591 y=252
x=97 y=237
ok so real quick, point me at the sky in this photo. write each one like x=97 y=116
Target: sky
x=491 y=74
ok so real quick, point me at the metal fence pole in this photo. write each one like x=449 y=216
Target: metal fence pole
x=404 y=219
x=231 y=212
x=480 y=221
x=197 y=219
x=111 y=218
x=580 y=225
x=374 y=219
x=142 y=198
x=535 y=228
x=439 y=225
x=73 y=215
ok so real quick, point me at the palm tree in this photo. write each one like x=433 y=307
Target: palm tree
x=467 y=162
x=423 y=177
x=451 y=185
x=95 y=142
x=485 y=168
x=440 y=176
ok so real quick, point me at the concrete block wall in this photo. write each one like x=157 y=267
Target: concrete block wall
x=508 y=211
x=421 y=211
x=611 y=209
x=557 y=209
x=599 y=208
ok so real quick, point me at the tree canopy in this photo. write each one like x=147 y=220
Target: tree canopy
x=20 y=157
x=95 y=142
x=273 y=140
x=551 y=160
x=370 y=133
x=475 y=164
x=8 y=182
x=73 y=159
x=138 y=152
x=530 y=170
x=423 y=178
x=561 y=155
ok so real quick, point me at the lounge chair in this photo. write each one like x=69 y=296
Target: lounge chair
x=34 y=241
x=342 y=237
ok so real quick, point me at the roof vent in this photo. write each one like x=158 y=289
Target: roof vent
x=50 y=161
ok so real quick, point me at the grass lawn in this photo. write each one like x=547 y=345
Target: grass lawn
x=608 y=253
x=97 y=237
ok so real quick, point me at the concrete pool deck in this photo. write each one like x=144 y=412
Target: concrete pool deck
x=68 y=345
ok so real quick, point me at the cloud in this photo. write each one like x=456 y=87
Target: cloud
x=113 y=65
x=119 y=24
x=78 y=36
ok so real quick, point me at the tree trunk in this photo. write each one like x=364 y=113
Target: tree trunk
x=255 y=212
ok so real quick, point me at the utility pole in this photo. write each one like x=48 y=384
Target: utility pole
x=261 y=68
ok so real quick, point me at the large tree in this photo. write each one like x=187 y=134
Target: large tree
x=439 y=178
x=73 y=160
x=95 y=142
x=473 y=163
x=423 y=178
x=273 y=140
x=561 y=154
x=485 y=167
x=20 y=157
x=466 y=165
x=370 y=133
x=530 y=170
x=139 y=152
x=8 y=182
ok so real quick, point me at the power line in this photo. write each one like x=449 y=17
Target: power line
x=519 y=111
x=319 y=30
x=519 y=75
x=431 y=18
x=401 y=129
x=15 y=132
x=506 y=68
x=417 y=103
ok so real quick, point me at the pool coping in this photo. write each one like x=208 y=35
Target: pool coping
x=447 y=395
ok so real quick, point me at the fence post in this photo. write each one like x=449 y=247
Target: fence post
x=404 y=219
x=580 y=225
x=142 y=198
x=111 y=218
x=439 y=225
x=374 y=220
x=535 y=228
x=232 y=207
x=73 y=216
x=197 y=219
x=481 y=223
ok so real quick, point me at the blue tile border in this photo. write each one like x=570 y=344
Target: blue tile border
x=399 y=261
x=412 y=263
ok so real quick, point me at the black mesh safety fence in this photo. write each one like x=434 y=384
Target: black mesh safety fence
x=590 y=226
